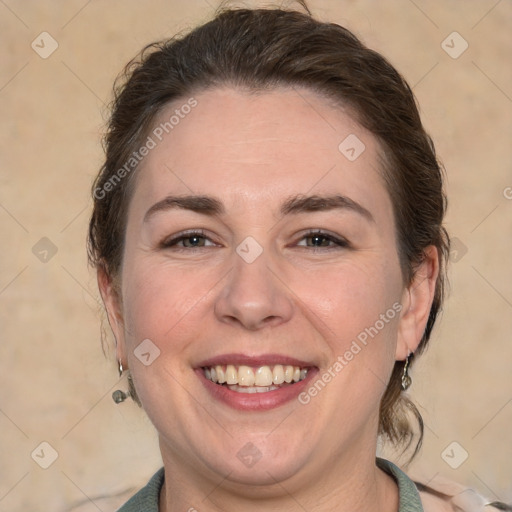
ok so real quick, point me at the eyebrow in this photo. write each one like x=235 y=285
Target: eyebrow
x=201 y=204
x=318 y=203
x=208 y=205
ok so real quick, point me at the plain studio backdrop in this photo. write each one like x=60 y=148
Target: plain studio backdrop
x=58 y=64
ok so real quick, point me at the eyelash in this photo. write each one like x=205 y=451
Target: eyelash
x=340 y=242
x=173 y=241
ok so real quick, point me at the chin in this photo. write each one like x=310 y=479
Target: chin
x=260 y=461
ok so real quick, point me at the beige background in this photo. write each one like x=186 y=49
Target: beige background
x=55 y=383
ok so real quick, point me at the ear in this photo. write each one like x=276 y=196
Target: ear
x=416 y=302
x=111 y=299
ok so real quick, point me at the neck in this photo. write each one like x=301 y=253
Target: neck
x=354 y=483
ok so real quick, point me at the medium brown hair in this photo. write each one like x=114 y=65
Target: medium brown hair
x=258 y=50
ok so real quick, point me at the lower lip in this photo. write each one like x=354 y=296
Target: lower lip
x=256 y=401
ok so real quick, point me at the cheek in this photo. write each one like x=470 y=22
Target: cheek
x=160 y=301
x=351 y=298
x=356 y=310
x=165 y=305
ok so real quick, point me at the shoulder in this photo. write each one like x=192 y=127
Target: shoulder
x=147 y=498
x=441 y=495
x=433 y=503
x=438 y=495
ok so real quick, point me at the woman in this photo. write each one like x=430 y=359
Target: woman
x=267 y=233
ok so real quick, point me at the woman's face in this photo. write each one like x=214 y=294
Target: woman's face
x=260 y=242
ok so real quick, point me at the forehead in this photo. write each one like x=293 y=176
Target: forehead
x=237 y=145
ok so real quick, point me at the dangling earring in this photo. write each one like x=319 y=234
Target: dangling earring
x=120 y=396
x=406 y=380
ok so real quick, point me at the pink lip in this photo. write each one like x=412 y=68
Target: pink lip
x=262 y=360
x=255 y=401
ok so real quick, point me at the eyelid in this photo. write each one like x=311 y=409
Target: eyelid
x=174 y=239
x=338 y=240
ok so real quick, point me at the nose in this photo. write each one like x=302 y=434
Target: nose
x=253 y=296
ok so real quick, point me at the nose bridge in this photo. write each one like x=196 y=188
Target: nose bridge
x=252 y=295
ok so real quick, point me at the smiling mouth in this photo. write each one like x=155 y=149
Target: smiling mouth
x=260 y=379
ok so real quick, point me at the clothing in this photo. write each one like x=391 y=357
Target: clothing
x=409 y=498
x=146 y=500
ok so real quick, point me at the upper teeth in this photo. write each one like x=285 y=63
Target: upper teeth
x=249 y=376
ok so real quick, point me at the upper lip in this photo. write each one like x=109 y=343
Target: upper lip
x=258 y=360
